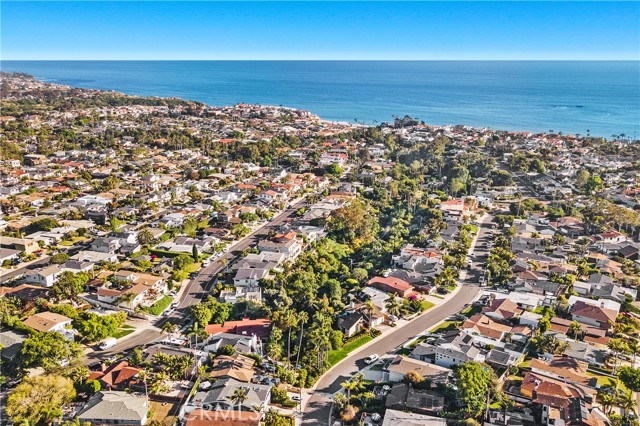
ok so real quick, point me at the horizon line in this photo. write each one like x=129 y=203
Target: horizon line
x=322 y=60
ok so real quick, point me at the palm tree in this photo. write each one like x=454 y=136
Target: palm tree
x=145 y=236
x=369 y=307
x=575 y=329
x=303 y=317
x=354 y=384
x=290 y=319
x=607 y=399
x=159 y=383
x=393 y=305
x=126 y=298
x=634 y=349
x=239 y=396
x=169 y=328
x=144 y=375
x=627 y=402
x=616 y=346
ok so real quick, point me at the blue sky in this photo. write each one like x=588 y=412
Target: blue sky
x=320 y=30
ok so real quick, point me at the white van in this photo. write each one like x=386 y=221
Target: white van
x=108 y=343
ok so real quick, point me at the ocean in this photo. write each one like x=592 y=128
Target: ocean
x=599 y=97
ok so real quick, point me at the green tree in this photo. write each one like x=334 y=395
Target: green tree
x=69 y=285
x=475 y=383
x=272 y=418
x=94 y=327
x=40 y=399
x=393 y=305
x=59 y=258
x=239 y=396
x=194 y=253
x=582 y=176
x=594 y=184
x=181 y=261
x=47 y=350
x=145 y=236
x=201 y=314
x=239 y=230
x=334 y=170
x=630 y=377
x=45 y=224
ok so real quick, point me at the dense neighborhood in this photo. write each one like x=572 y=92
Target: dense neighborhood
x=167 y=262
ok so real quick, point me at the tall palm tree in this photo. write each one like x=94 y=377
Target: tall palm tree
x=355 y=383
x=239 y=396
x=303 y=317
x=290 y=319
x=616 y=346
x=369 y=307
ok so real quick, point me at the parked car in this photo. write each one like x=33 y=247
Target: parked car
x=371 y=359
x=108 y=343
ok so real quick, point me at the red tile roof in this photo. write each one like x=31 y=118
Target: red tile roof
x=246 y=327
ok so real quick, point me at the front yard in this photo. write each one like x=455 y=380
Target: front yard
x=160 y=306
x=340 y=354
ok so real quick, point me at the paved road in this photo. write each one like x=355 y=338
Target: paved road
x=318 y=408
x=25 y=269
x=197 y=289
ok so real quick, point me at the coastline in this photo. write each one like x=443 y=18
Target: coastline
x=344 y=123
x=596 y=97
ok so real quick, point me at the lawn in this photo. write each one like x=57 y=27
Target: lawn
x=425 y=305
x=340 y=354
x=471 y=311
x=123 y=331
x=160 y=306
x=69 y=243
x=192 y=268
x=606 y=381
x=445 y=326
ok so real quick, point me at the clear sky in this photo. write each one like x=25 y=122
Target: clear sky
x=320 y=30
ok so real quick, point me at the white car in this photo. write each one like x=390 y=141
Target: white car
x=371 y=359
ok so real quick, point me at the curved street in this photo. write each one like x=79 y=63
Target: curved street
x=317 y=410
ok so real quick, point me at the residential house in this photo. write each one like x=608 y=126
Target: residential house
x=220 y=396
x=140 y=285
x=403 y=418
x=568 y=369
x=49 y=321
x=45 y=277
x=115 y=408
x=403 y=396
x=596 y=316
x=200 y=417
x=237 y=366
x=449 y=350
x=400 y=366
x=503 y=310
x=288 y=244
x=10 y=344
x=260 y=327
x=393 y=285
x=243 y=344
x=117 y=376
x=351 y=324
